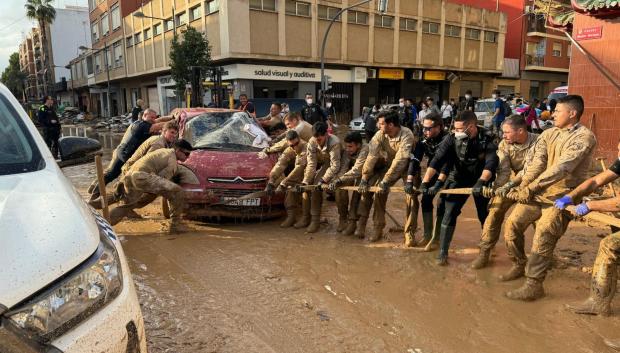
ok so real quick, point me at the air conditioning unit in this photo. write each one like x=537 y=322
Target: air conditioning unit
x=452 y=77
x=372 y=73
x=417 y=75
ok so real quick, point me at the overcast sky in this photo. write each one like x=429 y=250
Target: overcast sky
x=14 y=25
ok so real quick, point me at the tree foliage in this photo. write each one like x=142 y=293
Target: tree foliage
x=13 y=77
x=192 y=50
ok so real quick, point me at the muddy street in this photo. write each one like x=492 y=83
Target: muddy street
x=252 y=287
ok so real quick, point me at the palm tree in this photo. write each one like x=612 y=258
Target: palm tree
x=44 y=13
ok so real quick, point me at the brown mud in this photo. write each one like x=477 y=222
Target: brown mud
x=254 y=287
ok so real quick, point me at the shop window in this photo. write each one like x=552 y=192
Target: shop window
x=430 y=27
x=384 y=21
x=297 y=8
x=213 y=6
x=263 y=5
x=357 y=17
x=452 y=31
x=408 y=24
x=195 y=13
x=328 y=12
x=472 y=33
x=490 y=37
x=557 y=50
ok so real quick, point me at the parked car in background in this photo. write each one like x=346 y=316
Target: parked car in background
x=484 y=109
x=357 y=124
x=65 y=285
x=558 y=92
x=226 y=163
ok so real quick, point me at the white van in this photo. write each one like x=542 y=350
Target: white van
x=65 y=285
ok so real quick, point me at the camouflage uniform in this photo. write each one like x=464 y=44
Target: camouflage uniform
x=295 y=157
x=512 y=158
x=349 y=175
x=151 y=175
x=323 y=164
x=560 y=163
x=304 y=130
x=387 y=161
x=151 y=144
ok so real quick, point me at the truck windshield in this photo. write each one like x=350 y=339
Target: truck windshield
x=18 y=152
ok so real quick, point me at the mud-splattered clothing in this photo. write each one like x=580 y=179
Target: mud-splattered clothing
x=291 y=156
x=391 y=151
x=351 y=166
x=151 y=144
x=323 y=161
x=304 y=130
x=350 y=173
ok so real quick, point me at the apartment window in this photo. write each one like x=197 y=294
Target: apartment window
x=530 y=48
x=105 y=24
x=430 y=27
x=94 y=30
x=117 y=49
x=74 y=71
x=214 y=6
x=157 y=29
x=137 y=38
x=408 y=24
x=195 y=13
x=557 y=49
x=328 y=12
x=452 y=31
x=297 y=8
x=384 y=21
x=357 y=17
x=490 y=37
x=181 y=19
x=264 y=5
x=116 y=17
x=91 y=5
x=98 y=63
x=108 y=54
x=168 y=25
x=569 y=50
x=471 y=33
x=147 y=33
x=89 y=65
x=129 y=41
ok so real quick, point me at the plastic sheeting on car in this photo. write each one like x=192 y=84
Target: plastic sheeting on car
x=225 y=129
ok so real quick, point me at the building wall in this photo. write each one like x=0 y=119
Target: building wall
x=602 y=98
x=69 y=30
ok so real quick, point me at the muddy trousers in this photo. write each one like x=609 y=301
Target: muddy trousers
x=112 y=171
x=453 y=206
x=604 y=271
x=347 y=209
x=378 y=200
x=413 y=206
x=492 y=227
x=140 y=186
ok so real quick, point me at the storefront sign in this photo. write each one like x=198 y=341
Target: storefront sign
x=589 y=33
x=392 y=74
x=434 y=75
x=285 y=73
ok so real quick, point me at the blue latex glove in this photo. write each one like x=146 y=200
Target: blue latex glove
x=582 y=209
x=562 y=202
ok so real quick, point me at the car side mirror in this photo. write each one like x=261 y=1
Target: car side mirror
x=77 y=150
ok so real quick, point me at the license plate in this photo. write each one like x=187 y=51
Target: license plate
x=231 y=201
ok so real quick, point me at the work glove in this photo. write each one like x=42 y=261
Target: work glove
x=384 y=188
x=521 y=194
x=269 y=189
x=280 y=189
x=582 y=209
x=433 y=190
x=409 y=188
x=363 y=187
x=503 y=190
x=424 y=188
x=562 y=202
x=334 y=185
x=263 y=154
x=300 y=187
x=476 y=190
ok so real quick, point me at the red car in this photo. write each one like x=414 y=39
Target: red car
x=226 y=163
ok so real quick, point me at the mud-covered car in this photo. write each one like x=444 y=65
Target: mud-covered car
x=226 y=163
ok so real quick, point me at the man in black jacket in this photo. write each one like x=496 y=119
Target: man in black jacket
x=472 y=151
x=312 y=112
x=50 y=122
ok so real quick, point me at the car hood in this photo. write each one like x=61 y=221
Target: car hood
x=46 y=230
x=229 y=164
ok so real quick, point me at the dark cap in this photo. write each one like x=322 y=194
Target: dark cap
x=183 y=144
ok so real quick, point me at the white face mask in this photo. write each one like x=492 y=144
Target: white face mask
x=401 y=104
x=309 y=101
x=460 y=135
x=328 y=104
x=494 y=96
x=467 y=96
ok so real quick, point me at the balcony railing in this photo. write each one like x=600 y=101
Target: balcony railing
x=534 y=60
x=536 y=24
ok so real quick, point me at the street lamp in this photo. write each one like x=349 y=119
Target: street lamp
x=107 y=69
x=382 y=7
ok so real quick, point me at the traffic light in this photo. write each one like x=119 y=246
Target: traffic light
x=327 y=83
x=382 y=4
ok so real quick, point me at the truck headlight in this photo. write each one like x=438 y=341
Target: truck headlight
x=74 y=298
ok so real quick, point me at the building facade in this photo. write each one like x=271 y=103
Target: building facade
x=27 y=66
x=271 y=49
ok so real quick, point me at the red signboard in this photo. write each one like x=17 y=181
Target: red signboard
x=589 y=33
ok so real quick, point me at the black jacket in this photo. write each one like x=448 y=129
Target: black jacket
x=48 y=118
x=313 y=113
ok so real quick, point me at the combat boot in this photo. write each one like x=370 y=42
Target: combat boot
x=290 y=219
x=531 y=290
x=445 y=238
x=376 y=234
x=516 y=271
x=602 y=290
x=360 y=232
x=342 y=224
x=482 y=260
x=427 y=221
x=315 y=222
x=351 y=226
x=176 y=226
x=304 y=221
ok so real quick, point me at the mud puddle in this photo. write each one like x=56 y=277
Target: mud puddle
x=256 y=288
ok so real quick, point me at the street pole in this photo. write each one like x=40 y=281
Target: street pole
x=382 y=9
x=107 y=71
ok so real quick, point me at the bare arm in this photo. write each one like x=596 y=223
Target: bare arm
x=588 y=186
x=609 y=205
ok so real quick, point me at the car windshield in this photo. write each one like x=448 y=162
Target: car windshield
x=225 y=130
x=556 y=96
x=484 y=107
x=18 y=152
